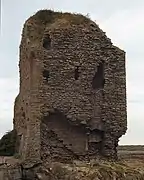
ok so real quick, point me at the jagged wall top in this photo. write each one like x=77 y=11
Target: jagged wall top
x=49 y=17
x=35 y=26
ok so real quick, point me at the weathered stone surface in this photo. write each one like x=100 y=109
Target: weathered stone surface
x=72 y=99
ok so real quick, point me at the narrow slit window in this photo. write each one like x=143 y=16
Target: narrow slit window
x=77 y=73
x=47 y=42
x=32 y=54
x=46 y=74
x=98 y=80
x=23 y=114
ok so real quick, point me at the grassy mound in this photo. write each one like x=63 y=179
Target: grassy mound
x=92 y=171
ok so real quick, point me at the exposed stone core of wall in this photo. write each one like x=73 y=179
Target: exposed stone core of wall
x=72 y=100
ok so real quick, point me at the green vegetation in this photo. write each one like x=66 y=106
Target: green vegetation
x=8 y=143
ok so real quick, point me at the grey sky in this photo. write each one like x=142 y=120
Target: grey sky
x=123 y=22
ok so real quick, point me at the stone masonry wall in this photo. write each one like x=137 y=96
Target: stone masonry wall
x=28 y=103
x=74 y=83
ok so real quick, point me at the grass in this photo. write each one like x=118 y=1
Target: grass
x=96 y=171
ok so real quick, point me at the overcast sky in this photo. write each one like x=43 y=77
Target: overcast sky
x=123 y=22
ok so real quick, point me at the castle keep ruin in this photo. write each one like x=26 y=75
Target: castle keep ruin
x=72 y=98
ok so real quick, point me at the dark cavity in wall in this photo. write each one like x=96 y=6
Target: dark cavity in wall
x=98 y=80
x=23 y=114
x=77 y=73
x=32 y=54
x=95 y=141
x=47 y=42
x=46 y=74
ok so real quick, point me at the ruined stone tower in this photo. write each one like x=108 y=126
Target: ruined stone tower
x=72 y=98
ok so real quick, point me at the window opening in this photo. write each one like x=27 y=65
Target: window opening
x=47 y=42
x=46 y=74
x=77 y=73
x=98 y=80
